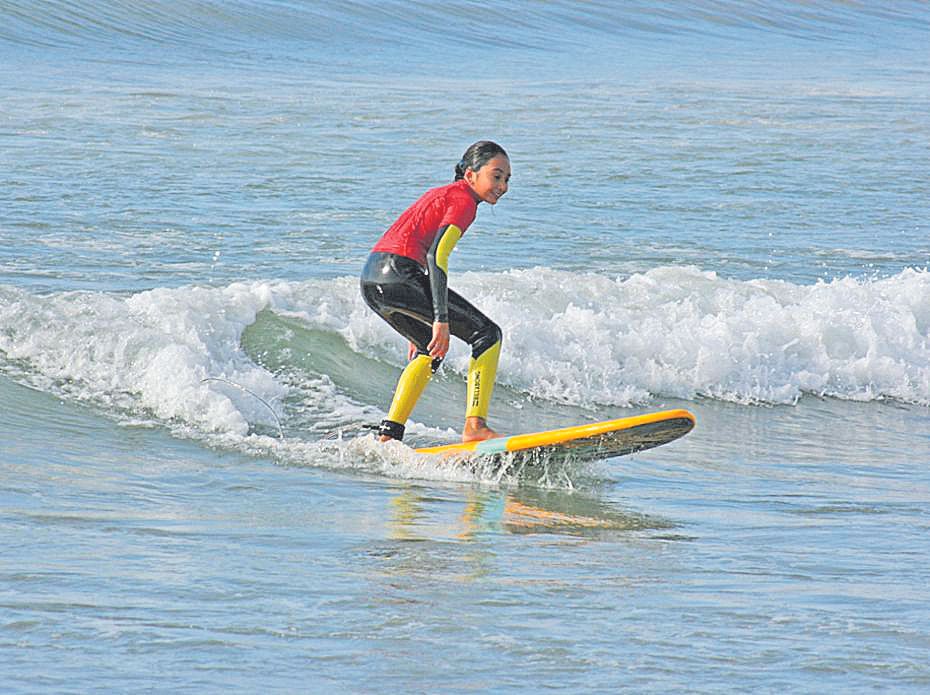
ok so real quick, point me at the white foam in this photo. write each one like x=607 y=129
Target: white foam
x=680 y=332
x=569 y=337
x=148 y=352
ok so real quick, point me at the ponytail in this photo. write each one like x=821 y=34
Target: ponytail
x=477 y=156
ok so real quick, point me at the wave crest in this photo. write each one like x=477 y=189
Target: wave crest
x=578 y=339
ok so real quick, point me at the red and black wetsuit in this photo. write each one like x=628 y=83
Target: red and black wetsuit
x=405 y=282
x=405 y=278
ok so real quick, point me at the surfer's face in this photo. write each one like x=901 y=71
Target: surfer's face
x=490 y=182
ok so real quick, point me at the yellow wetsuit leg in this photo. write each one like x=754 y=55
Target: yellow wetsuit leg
x=413 y=380
x=482 y=371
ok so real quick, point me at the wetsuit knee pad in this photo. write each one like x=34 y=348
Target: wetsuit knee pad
x=485 y=338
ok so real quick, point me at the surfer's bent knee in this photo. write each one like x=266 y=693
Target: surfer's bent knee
x=434 y=365
x=485 y=338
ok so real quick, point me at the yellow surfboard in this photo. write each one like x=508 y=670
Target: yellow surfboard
x=598 y=440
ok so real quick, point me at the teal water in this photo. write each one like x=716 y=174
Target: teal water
x=716 y=206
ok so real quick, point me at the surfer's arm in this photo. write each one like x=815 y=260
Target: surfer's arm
x=437 y=265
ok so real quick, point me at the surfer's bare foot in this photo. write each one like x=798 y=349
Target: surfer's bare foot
x=477 y=430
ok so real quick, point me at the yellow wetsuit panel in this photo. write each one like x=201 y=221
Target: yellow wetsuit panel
x=447 y=241
x=413 y=380
x=437 y=265
x=482 y=371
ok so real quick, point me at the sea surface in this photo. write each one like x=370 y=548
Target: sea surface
x=715 y=205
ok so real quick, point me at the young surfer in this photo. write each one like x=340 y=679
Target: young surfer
x=406 y=282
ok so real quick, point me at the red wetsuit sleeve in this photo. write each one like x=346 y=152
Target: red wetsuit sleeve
x=460 y=210
x=416 y=229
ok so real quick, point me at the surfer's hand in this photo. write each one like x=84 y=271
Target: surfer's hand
x=439 y=345
x=411 y=351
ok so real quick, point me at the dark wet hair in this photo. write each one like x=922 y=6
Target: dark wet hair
x=477 y=156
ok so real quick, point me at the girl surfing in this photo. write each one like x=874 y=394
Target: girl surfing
x=406 y=282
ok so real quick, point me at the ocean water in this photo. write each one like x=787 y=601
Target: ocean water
x=720 y=206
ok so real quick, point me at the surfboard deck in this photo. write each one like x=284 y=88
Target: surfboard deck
x=598 y=440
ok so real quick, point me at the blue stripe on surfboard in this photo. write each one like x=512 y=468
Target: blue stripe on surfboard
x=491 y=446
